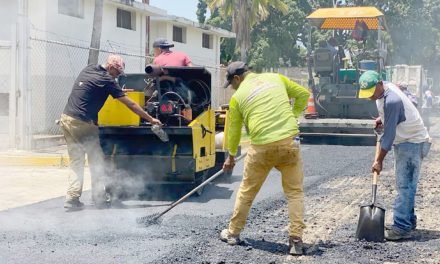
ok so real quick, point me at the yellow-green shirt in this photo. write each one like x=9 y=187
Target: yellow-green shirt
x=262 y=103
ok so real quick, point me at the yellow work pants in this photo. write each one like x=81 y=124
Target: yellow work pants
x=83 y=138
x=284 y=155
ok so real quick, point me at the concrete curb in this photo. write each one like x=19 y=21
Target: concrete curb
x=50 y=159
x=34 y=160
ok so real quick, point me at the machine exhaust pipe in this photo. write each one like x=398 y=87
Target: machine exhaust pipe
x=154 y=70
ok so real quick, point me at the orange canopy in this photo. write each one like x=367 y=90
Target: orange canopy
x=346 y=18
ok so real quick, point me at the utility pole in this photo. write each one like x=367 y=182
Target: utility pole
x=24 y=91
x=95 y=42
x=147 y=31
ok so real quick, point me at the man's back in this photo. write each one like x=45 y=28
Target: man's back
x=89 y=93
x=172 y=58
x=411 y=127
x=263 y=101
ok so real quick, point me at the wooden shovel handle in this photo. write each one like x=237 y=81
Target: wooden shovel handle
x=375 y=174
x=377 y=150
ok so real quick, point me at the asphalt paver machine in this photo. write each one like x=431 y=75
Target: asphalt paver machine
x=342 y=118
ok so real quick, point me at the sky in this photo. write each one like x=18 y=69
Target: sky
x=181 y=8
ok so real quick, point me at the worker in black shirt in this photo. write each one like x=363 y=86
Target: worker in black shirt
x=79 y=124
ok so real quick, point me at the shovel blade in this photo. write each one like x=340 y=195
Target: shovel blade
x=371 y=225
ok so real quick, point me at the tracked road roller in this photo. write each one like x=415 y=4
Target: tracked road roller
x=183 y=152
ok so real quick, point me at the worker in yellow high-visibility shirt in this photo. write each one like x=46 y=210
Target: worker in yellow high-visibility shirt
x=262 y=103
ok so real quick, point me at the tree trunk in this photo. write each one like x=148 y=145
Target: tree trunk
x=241 y=27
x=95 y=43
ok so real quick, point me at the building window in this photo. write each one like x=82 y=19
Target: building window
x=207 y=41
x=73 y=8
x=126 y=19
x=4 y=104
x=179 y=34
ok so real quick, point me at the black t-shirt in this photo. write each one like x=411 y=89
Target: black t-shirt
x=89 y=93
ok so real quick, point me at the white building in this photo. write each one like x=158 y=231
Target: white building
x=44 y=45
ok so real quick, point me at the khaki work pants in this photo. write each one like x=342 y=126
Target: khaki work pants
x=83 y=138
x=285 y=156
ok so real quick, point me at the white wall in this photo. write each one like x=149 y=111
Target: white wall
x=47 y=23
x=8 y=11
x=192 y=47
x=51 y=25
x=54 y=67
x=132 y=40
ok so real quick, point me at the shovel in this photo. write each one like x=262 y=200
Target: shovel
x=371 y=223
x=148 y=220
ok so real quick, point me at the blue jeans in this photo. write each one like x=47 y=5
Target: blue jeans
x=408 y=160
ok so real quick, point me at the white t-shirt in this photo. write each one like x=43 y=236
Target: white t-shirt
x=401 y=119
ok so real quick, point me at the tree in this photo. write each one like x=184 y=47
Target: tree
x=201 y=11
x=413 y=28
x=95 y=42
x=227 y=45
x=276 y=40
x=245 y=13
x=413 y=34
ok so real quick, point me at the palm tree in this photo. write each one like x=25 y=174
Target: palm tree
x=245 y=13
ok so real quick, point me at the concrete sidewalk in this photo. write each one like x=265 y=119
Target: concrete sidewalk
x=25 y=185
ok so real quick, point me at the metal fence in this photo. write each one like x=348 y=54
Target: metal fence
x=54 y=68
x=55 y=65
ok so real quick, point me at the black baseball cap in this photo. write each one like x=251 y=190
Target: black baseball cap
x=162 y=43
x=234 y=68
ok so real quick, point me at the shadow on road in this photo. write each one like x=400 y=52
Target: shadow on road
x=131 y=206
x=228 y=178
x=117 y=205
x=174 y=193
x=423 y=235
x=280 y=248
x=271 y=247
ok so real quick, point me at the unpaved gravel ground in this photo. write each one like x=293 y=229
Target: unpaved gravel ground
x=332 y=211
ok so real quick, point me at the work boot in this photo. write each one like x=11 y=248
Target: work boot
x=73 y=205
x=295 y=246
x=395 y=235
x=227 y=237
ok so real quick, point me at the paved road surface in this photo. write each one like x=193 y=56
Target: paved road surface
x=43 y=232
